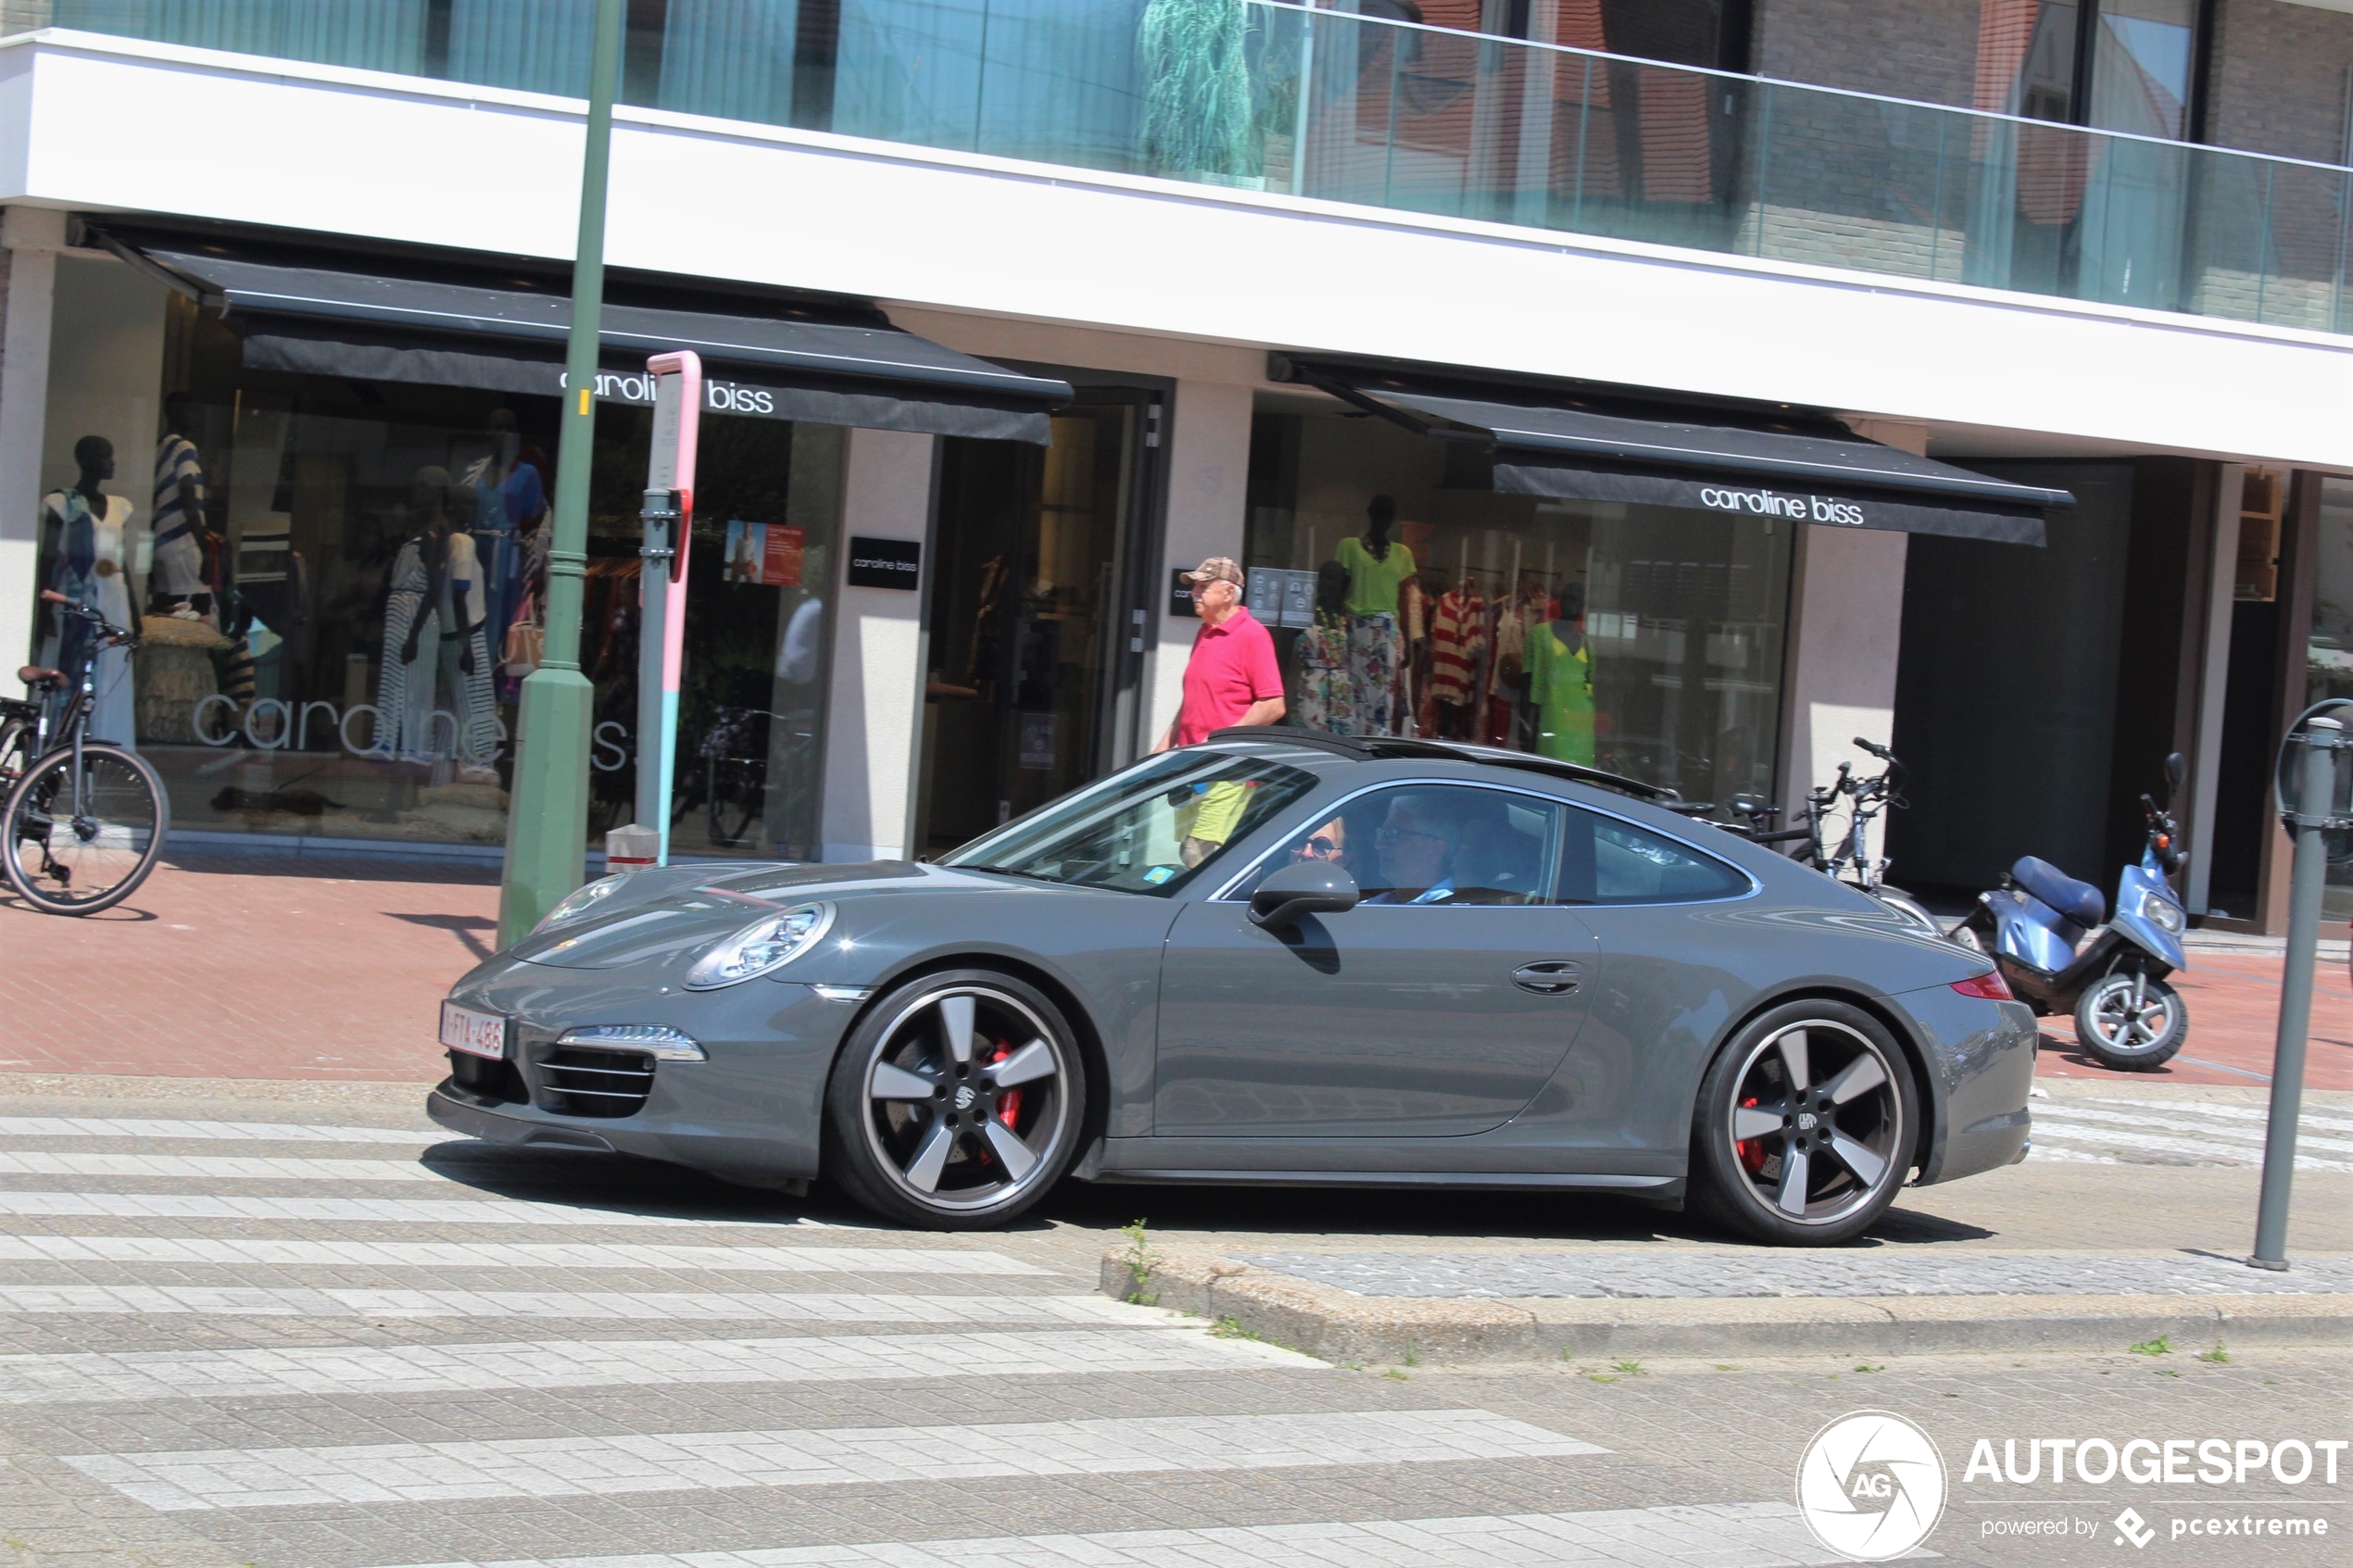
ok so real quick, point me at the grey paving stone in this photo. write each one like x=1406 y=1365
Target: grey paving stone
x=1665 y=1274
x=1750 y=1535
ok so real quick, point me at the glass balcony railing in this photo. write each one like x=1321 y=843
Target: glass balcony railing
x=1329 y=104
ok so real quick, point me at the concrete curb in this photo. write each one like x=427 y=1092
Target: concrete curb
x=1339 y=1326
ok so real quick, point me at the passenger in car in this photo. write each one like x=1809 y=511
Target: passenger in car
x=1327 y=844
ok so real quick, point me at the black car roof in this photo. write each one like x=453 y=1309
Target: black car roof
x=1384 y=749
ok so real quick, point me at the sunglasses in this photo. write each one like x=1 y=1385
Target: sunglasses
x=1387 y=839
x=1319 y=845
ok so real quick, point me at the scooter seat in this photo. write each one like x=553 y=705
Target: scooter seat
x=2079 y=901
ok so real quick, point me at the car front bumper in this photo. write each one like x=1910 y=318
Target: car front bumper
x=753 y=1109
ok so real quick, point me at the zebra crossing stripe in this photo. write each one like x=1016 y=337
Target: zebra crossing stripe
x=2322 y=1117
x=1753 y=1535
x=545 y=1467
x=668 y=1307
x=230 y=1132
x=404 y=1211
x=2249 y=1134
x=116 y=1377
x=206 y=1167
x=2085 y=1142
x=298 y=1253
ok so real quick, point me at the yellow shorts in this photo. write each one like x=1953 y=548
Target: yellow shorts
x=1216 y=812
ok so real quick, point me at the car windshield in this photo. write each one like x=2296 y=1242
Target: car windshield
x=1149 y=829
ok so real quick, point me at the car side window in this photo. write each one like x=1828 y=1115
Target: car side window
x=1434 y=845
x=1607 y=861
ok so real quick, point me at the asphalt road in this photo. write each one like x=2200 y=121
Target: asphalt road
x=293 y=1325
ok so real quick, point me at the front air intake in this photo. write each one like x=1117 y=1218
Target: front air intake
x=576 y=1081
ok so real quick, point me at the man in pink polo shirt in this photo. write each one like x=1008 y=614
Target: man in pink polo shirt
x=1233 y=678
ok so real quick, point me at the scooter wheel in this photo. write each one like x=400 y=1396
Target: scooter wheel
x=2131 y=1022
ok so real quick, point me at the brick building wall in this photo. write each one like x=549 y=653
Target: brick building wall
x=1923 y=49
x=2279 y=81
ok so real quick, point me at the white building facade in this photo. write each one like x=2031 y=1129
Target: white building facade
x=1225 y=344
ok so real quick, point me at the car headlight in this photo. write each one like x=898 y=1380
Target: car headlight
x=2162 y=912
x=580 y=902
x=657 y=1040
x=763 y=946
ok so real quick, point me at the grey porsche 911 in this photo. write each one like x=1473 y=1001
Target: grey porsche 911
x=1278 y=957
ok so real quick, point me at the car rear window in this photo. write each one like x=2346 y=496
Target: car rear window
x=1604 y=860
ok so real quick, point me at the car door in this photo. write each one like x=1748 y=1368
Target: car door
x=1680 y=957
x=1438 y=1007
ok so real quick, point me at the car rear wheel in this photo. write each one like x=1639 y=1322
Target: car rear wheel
x=956 y=1104
x=1806 y=1125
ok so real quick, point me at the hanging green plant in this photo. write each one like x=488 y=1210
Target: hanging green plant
x=1198 y=110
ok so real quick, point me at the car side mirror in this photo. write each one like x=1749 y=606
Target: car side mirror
x=2177 y=768
x=1310 y=887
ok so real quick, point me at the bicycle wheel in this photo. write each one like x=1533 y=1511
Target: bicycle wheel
x=80 y=840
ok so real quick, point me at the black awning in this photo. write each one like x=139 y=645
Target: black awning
x=793 y=364
x=1803 y=471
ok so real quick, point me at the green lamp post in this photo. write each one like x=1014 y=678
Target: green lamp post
x=547 y=814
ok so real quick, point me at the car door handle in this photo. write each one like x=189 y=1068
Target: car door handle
x=1550 y=977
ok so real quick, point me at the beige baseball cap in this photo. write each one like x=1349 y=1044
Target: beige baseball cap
x=1218 y=569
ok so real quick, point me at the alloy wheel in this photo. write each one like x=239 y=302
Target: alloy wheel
x=1817 y=1122
x=967 y=1098
x=2132 y=1015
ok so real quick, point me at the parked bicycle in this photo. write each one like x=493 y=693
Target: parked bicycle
x=83 y=821
x=1849 y=859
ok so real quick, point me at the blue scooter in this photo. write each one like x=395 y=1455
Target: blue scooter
x=2041 y=929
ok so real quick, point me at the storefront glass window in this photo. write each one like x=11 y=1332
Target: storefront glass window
x=1408 y=597
x=2328 y=649
x=340 y=583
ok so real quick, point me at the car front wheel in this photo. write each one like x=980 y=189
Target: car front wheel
x=1805 y=1126
x=2131 y=1022
x=957 y=1102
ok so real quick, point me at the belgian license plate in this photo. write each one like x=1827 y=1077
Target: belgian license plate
x=476 y=1034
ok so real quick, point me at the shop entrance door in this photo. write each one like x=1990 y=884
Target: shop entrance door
x=1033 y=642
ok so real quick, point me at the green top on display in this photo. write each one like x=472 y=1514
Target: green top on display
x=1372 y=582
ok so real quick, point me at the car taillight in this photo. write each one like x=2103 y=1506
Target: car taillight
x=1988 y=986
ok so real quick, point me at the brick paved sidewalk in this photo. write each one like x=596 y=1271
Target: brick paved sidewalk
x=2235 y=1008
x=248 y=967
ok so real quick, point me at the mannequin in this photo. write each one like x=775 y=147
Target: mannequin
x=177 y=522
x=95 y=549
x=1377 y=567
x=433 y=646
x=1560 y=682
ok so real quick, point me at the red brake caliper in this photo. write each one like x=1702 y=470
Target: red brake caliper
x=1009 y=1103
x=1752 y=1153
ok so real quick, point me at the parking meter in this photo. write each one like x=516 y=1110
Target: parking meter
x=669 y=517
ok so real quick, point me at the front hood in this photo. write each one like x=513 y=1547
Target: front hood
x=693 y=911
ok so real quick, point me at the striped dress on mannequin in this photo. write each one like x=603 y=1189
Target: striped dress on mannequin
x=404 y=687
